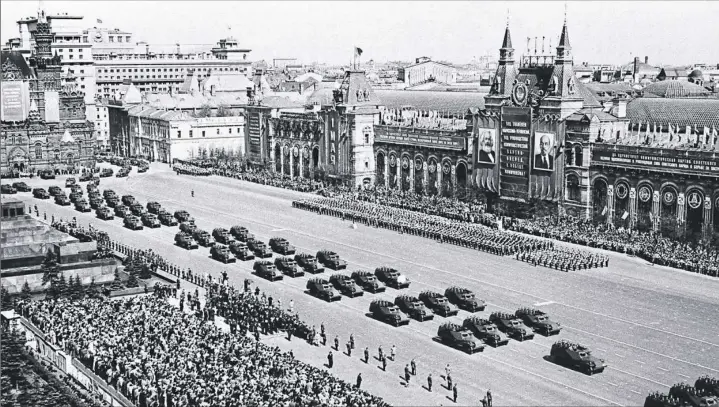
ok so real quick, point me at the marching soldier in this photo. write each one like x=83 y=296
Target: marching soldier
x=330 y=360
x=406 y=374
x=429 y=382
x=359 y=380
x=337 y=343
x=366 y=354
x=454 y=393
x=414 y=367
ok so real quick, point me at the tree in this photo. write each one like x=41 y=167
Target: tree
x=92 y=290
x=132 y=281
x=117 y=281
x=50 y=268
x=76 y=291
x=224 y=111
x=6 y=300
x=25 y=293
x=205 y=111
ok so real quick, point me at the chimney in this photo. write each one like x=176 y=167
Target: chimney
x=620 y=107
x=646 y=59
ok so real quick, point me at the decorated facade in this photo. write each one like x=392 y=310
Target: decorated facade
x=43 y=113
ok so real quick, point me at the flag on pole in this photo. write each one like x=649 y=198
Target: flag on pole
x=358 y=51
x=99 y=21
x=604 y=211
x=625 y=216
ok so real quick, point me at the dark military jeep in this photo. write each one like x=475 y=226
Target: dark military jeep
x=40 y=193
x=575 y=356
x=308 y=263
x=203 y=238
x=154 y=207
x=182 y=216
x=287 y=265
x=221 y=235
x=438 y=303
x=457 y=337
x=392 y=277
x=322 y=289
x=413 y=307
x=259 y=248
x=385 y=311
x=331 y=259
x=128 y=200
x=104 y=213
x=346 y=285
x=267 y=270
x=222 y=253
x=538 y=321
x=167 y=219
x=241 y=233
x=186 y=241
x=241 y=251
x=281 y=246
x=511 y=325
x=486 y=331
x=368 y=281
x=464 y=299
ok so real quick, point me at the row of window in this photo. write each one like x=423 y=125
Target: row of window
x=229 y=131
x=170 y=69
x=110 y=38
x=138 y=77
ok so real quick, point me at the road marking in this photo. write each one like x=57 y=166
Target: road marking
x=684 y=376
x=634 y=391
x=661 y=368
x=621 y=356
x=541 y=304
x=640 y=377
x=278 y=230
x=615 y=385
x=639 y=361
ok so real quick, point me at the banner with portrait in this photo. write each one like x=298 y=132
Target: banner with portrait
x=544 y=144
x=487 y=146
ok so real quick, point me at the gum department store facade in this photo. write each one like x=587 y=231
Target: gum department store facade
x=539 y=136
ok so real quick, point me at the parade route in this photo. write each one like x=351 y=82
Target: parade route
x=654 y=326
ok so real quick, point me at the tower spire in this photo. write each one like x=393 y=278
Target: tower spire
x=564 y=49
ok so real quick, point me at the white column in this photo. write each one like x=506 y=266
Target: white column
x=292 y=162
x=282 y=161
x=301 y=164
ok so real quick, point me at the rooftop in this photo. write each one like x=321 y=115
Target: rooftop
x=676 y=89
x=447 y=102
x=678 y=112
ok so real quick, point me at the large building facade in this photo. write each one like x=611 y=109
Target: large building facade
x=43 y=121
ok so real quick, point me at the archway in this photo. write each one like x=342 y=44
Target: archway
x=418 y=175
x=286 y=157
x=295 y=161
x=462 y=190
x=668 y=214
x=315 y=157
x=695 y=214
x=446 y=187
x=379 y=177
x=404 y=173
x=573 y=190
x=392 y=170
x=306 y=159
x=432 y=174
x=621 y=205
x=278 y=154
x=599 y=200
x=644 y=208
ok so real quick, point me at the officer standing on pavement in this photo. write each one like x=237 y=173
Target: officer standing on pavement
x=366 y=354
x=384 y=363
x=454 y=393
x=337 y=343
x=429 y=382
x=406 y=374
x=349 y=349
x=330 y=360
x=489 y=398
x=359 y=380
x=414 y=367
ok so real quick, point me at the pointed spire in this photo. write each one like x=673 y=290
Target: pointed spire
x=507 y=42
x=564 y=38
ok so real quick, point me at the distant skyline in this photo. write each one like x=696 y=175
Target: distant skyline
x=669 y=33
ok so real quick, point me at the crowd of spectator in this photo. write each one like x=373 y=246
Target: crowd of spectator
x=158 y=356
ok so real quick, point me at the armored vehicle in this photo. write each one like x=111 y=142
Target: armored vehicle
x=368 y=281
x=128 y=200
x=54 y=190
x=287 y=265
x=457 y=337
x=167 y=219
x=511 y=325
x=322 y=289
x=112 y=201
x=122 y=172
x=221 y=235
x=708 y=384
x=47 y=174
x=392 y=277
x=121 y=211
x=259 y=248
x=267 y=270
x=240 y=250
x=81 y=205
x=150 y=220
x=575 y=356
x=108 y=193
x=70 y=182
x=203 y=238
x=221 y=253
x=96 y=202
x=241 y=233
x=464 y=299
x=62 y=200
x=188 y=227
x=104 y=213
x=186 y=241
x=7 y=189
x=21 y=186
x=142 y=168
x=106 y=172
x=692 y=396
x=182 y=216
x=331 y=259
x=538 y=321
x=413 y=307
x=281 y=246
x=346 y=285
x=40 y=193
x=76 y=189
x=486 y=331
x=385 y=311
x=438 y=303
x=133 y=222
x=154 y=207
x=85 y=177
x=137 y=209
x=308 y=263
x=74 y=197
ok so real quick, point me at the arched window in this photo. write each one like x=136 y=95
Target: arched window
x=578 y=156
x=573 y=190
x=38 y=151
x=57 y=154
x=570 y=155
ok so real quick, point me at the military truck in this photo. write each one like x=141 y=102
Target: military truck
x=241 y=233
x=345 y=285
x=692 y=396
x=40 y=193
x=128 y=200
x=259 y=248
x=281 y=246
x=137 y=209
x=81 y=205
x=55 y=190
x=464 y=299
x=150 y=220
x=413 y=307
x=575 y=356
x=485 y=330
x=104 y=213
x=287 y=265
x=539 y=321
x=267 y=270
x=122 y=211
x=457 y=337
x=708 y=384
x=188 y=227
x=186 y=241
x=203 y=238
x=154 y=207
x=392 y=277
x=221 y=253
x=108 y=193
x=240 y=250
x=182 y=216
x=167 y=219
x=75 y=196
x=96 y=202
x=112 y=201
x=438 y=303
x=221 y=235
x=133 y=222
x=511 y=325
x=331 y=259
x=321 y=288
x=70 y=182
x=385 y=311
x=309 y=263
x=368 y=281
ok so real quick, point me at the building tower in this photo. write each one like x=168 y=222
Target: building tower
x=506 y=73
x=563 y=93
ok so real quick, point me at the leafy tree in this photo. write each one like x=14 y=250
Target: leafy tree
x=92 y=290
x=25 y=293
x=132 y=281
x=205 y=111
x=6 y=300
x=117 y=281
x=76 y=291
x=50 y=268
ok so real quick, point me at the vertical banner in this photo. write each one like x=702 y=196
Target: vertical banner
x=514 y=161
x=544 y=155
x=15 y=101
x=52 y=107
x=253 y=125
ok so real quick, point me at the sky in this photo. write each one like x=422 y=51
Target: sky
x=669 y=33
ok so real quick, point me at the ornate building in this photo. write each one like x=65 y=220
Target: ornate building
x=43 y=124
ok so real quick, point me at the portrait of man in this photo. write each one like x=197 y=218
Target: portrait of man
x=544 y=153
x=487 y=153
